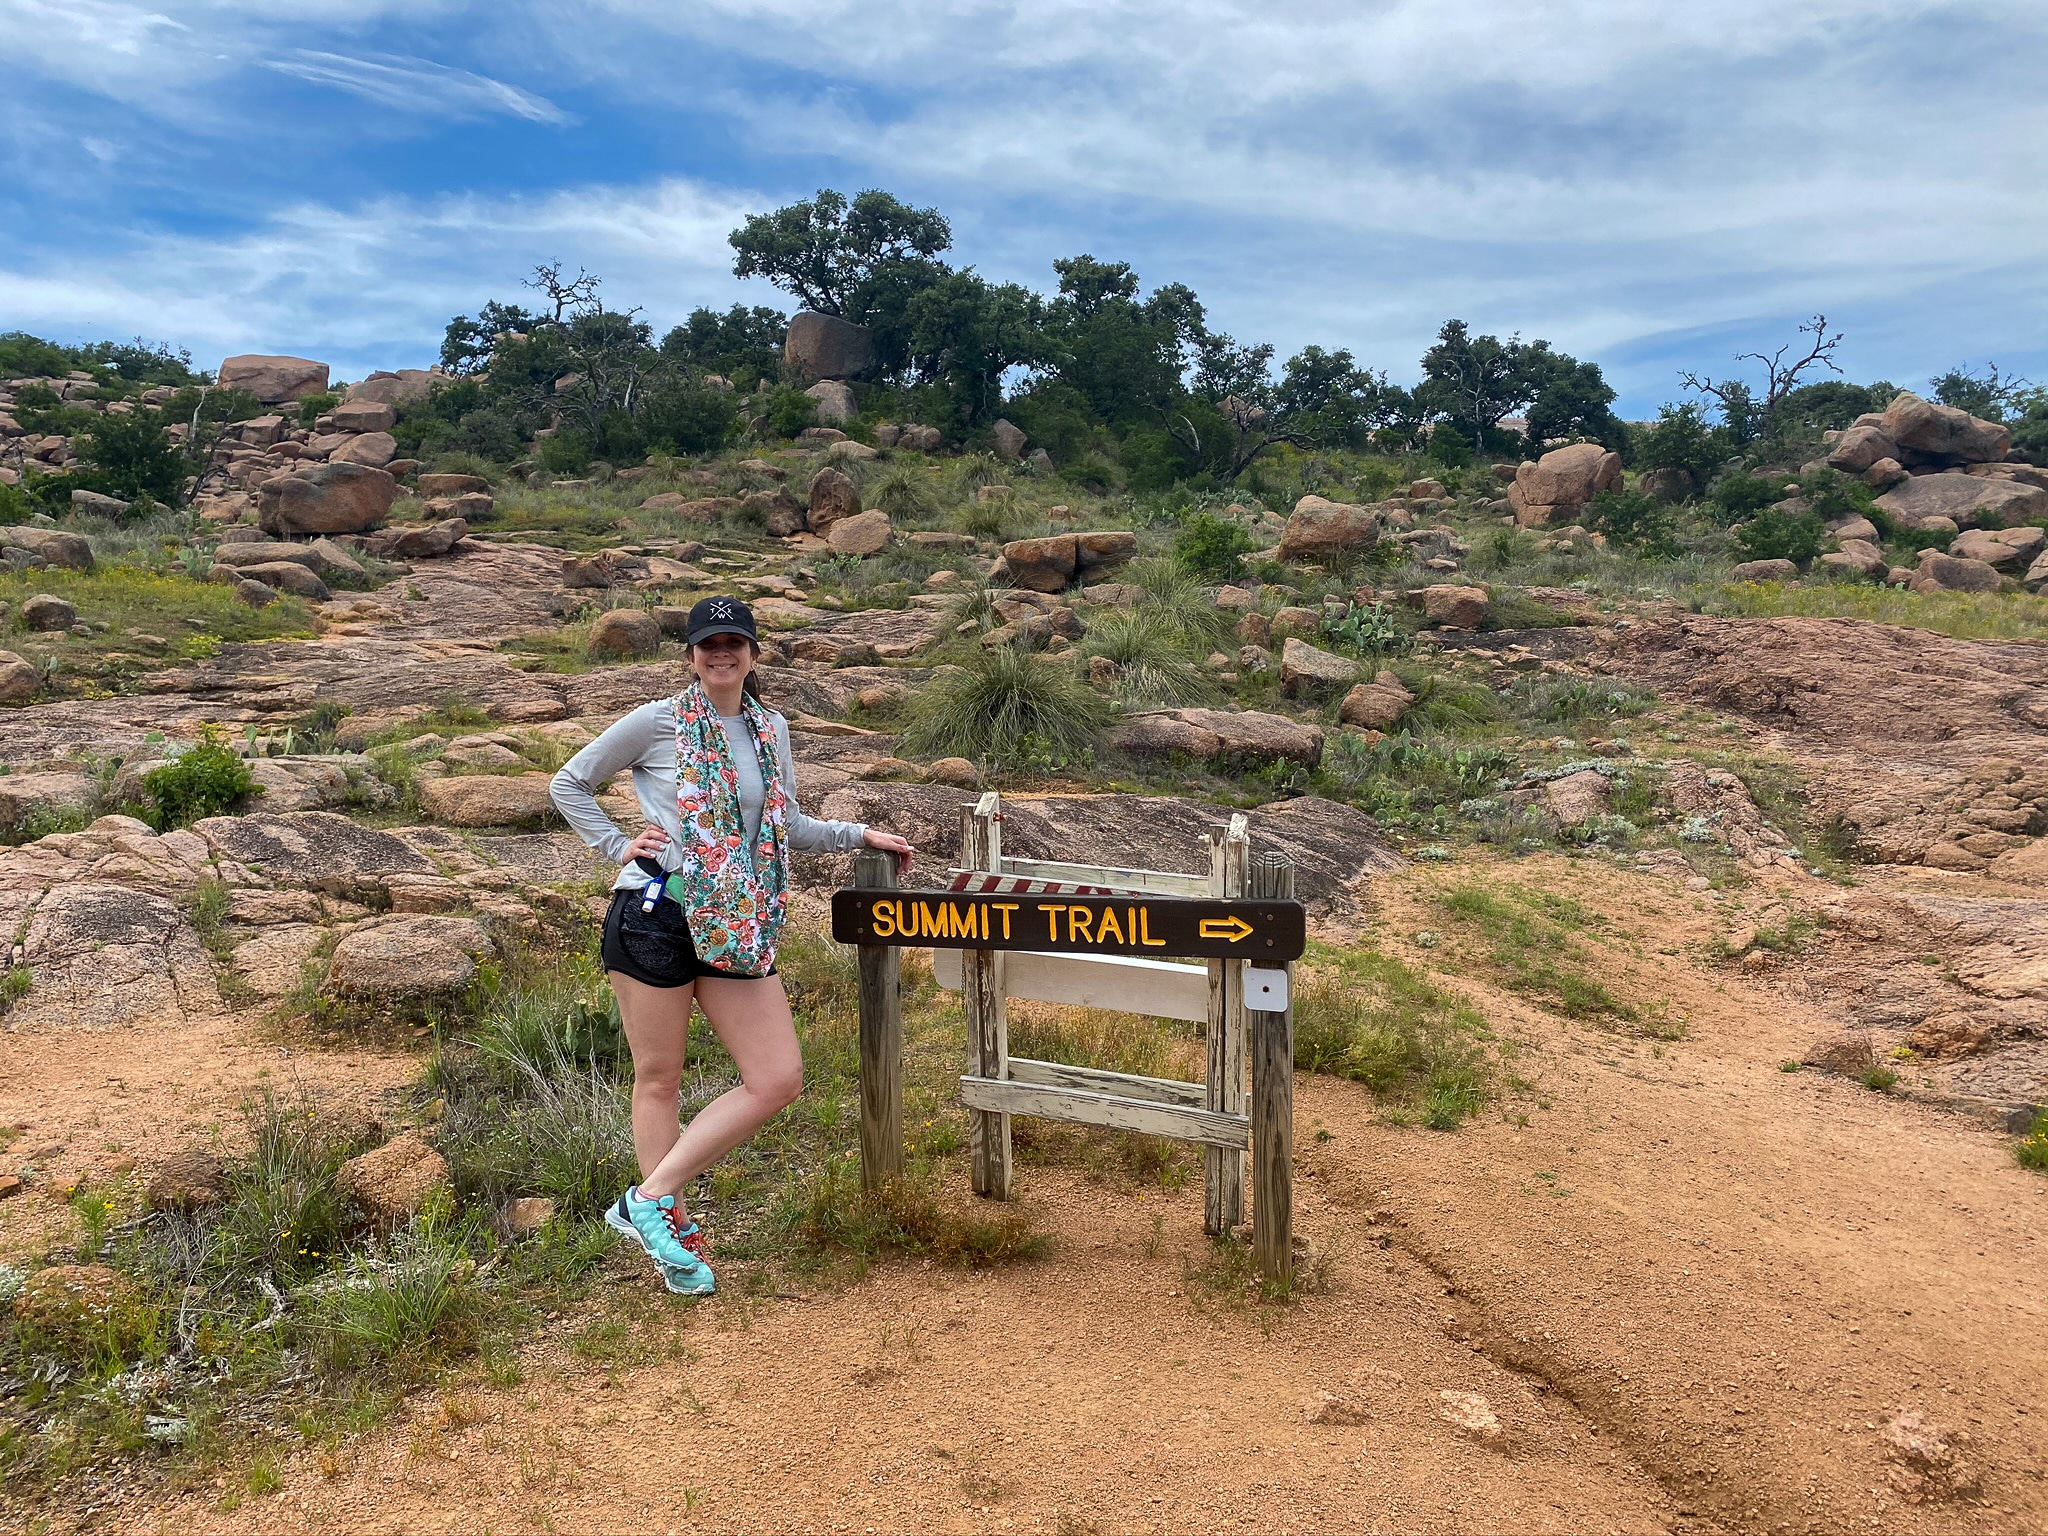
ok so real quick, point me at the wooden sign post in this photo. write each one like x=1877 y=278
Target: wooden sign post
x=1097 y=937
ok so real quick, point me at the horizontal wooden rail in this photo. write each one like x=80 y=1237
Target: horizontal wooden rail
x=1057 y=1074
x=1112 y=1111
x=1159 y=989
x=1145 y=882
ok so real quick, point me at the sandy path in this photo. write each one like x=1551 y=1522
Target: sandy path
x=1692 y=1289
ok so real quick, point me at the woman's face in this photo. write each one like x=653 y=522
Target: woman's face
x=723 y=658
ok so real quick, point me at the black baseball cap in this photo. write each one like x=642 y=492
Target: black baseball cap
x=720 y=616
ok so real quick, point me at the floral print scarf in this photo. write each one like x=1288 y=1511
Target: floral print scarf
x=735 y=905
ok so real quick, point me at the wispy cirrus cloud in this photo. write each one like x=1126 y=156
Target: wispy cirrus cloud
x=415 y=85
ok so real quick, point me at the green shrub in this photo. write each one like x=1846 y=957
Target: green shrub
x=313 y=407
x=1741 y=495
x=905 y=494
x=1212 y=547
x=1681 y=439
x=132 y=456
x=207 y=779
x=15 y=506
x=1636 y=522
x=1780 y=533
x=789 y=410
x=1450 y=447
x=404 y=1308
x=692 y=417
x=1008 y=706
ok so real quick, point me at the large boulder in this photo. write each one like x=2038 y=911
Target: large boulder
x=1042 y=565
x=631 y=634
x=1377 y=705
x=429 y=543
x=487 y=799
x=1856 y=449
x=1945 y=573
x=401 y=958
x=1321 y=530
x=1255 y=734
x=832 y=495
x=375 y=449
x=1103 y=547
x=1306 y=672
x=1578 y=797
x=2008 y=549
x=2036 y=579
x=396 y=388
x=49 y=546
x=284 y=576
x=865 y=533
x=1009 y=440
x=1927 y=433
x=1452 y=606
x=453 y=485
x=1968 y=501
x=48 y=612
x=1556 y=487
x=779 y=513
x=835 y=400
x=363 y=416
x=325 y=498
x=1765 y=570
x=272 y=379
x=827 y=347
x=1857 y=557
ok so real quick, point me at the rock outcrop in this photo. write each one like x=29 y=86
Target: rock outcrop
x=1556 y=487
x=326 y=498
x=274 y=379
x=827 y=347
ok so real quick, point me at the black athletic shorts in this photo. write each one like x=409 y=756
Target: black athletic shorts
x=654 y=948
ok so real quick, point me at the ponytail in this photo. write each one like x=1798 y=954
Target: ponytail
x=751 y=688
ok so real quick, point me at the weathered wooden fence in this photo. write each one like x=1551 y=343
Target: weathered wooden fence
x=1240 y=912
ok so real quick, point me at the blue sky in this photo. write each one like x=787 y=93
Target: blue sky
x=1648 y=183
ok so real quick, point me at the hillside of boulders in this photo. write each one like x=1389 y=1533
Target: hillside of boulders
x=274 y=763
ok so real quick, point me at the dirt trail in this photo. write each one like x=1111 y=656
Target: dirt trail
x=1692 y=1289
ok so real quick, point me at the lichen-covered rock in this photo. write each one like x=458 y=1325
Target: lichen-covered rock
x=314 y=850
x=1556 y=487
x=406 y=958
x=394 y=1182
x=487 y=799
x=831 y=496
x=630 y=633
x=1321 y=530
x=274 y=379
x=1306 y=672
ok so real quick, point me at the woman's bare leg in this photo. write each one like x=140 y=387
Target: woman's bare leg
x=657 y=1021
x=752 y=1019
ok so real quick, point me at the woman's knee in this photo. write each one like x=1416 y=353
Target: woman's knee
x=660 y=1078
x=780 y=1084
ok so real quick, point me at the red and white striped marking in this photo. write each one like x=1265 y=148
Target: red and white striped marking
x=980 y=883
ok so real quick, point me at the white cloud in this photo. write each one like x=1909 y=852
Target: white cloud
x=1610 y=173
x=372 y=286
x=415 y=85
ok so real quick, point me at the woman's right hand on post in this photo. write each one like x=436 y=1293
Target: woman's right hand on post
x=649 y=843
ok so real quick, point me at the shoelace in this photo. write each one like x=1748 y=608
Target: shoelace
x=693 y=1240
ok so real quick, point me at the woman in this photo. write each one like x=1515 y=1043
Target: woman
x=695 y=913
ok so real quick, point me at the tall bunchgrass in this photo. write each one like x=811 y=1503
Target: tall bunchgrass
x=1150 y=650
x=1006 y=707
x=1960 y=615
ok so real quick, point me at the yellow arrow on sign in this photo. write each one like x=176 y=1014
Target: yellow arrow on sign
x=1232 y=928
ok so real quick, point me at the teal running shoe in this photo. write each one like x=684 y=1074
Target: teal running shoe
x=658 y=1227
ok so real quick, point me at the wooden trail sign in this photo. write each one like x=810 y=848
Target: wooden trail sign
x=1095 y=936
x=1263 y=932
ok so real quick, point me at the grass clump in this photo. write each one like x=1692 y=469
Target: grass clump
x=1008 y=707
x=1880 y=1079
x=1151 y=656
x=1380 y=1022
x=2031 y=1150
x=1530 y=948
x=1960 y=615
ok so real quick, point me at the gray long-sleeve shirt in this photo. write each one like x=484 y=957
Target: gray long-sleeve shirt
x=645 y=743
